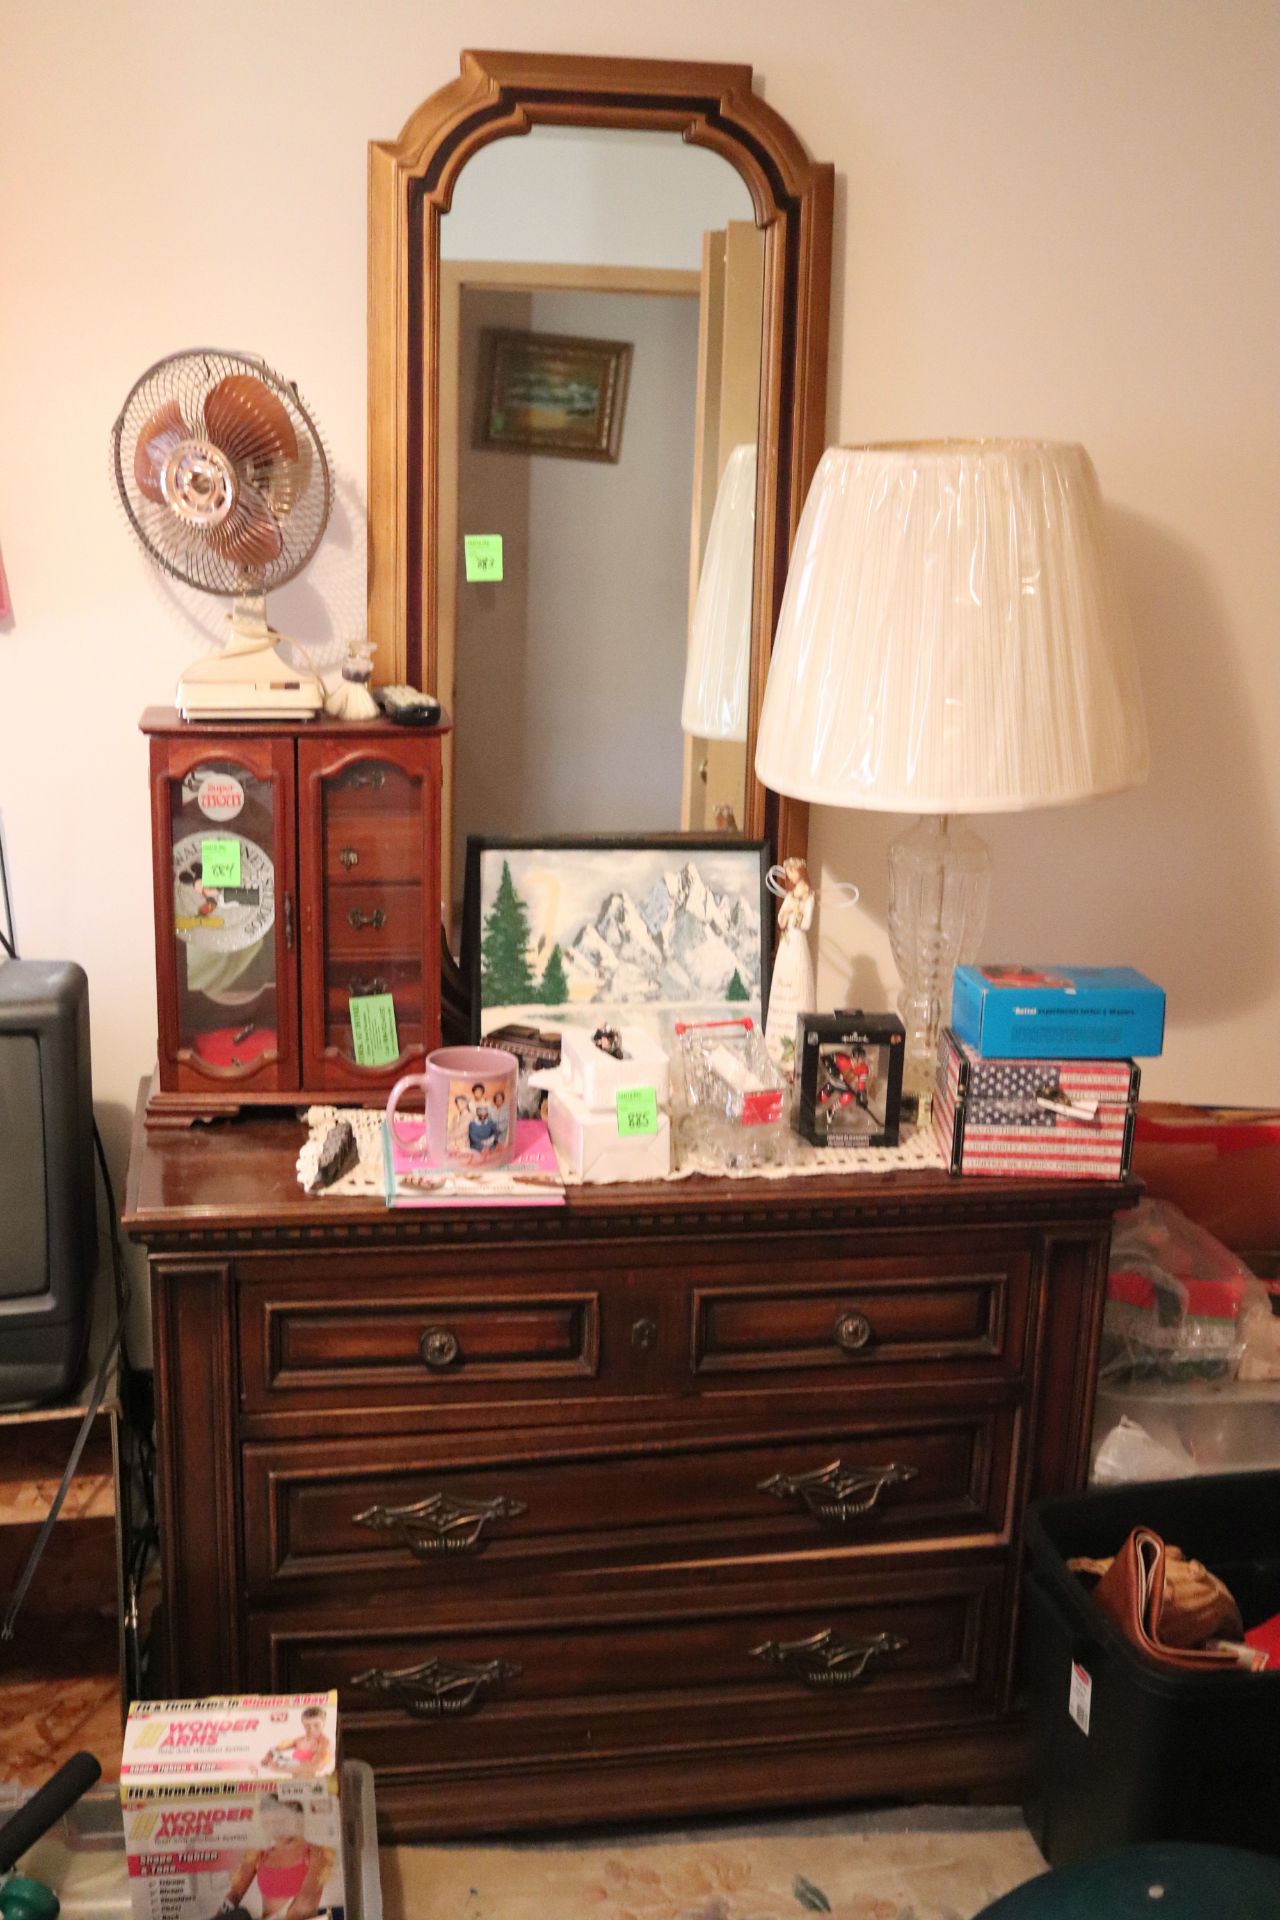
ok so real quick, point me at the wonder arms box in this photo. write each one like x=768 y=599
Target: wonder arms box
x=233 y=1804
x=1057 y=1013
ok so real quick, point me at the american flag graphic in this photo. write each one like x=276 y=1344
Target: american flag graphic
x=1062 y=1117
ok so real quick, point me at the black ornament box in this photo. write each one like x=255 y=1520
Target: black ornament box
x=847 y=1090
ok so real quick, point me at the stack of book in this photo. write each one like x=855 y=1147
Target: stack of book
x=1036 y=1072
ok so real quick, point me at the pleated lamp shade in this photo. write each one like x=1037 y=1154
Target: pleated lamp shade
x=714 y=704
x=953 y=636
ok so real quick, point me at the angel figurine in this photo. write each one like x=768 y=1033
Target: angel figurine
x=791 y=989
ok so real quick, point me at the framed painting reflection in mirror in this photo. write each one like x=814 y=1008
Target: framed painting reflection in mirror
x=551 y=393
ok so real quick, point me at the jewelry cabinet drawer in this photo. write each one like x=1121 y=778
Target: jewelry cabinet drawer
x=915 y=1648
x=362 y=846
x=897 y=1321
x=366 y=919
x=374 y=974
x=447 y=1514
x=472 y=1333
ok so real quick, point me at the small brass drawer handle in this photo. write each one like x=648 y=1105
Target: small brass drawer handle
x=441 y=1525
x=360 y=988
x=349 y=857
x=438 y=1347
x=438 y=1687
x=852 y=1331
x=837 y=1493
x=824 y=1661
x=644 y=1333
x=360 y=920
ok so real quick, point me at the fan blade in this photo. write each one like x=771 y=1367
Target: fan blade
x=248 y=422
x=249 y=537
x=157 y=440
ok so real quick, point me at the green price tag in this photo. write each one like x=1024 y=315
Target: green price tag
x=219 y=863
x=637 y=1110
x=483 y=554
x=373 y=1029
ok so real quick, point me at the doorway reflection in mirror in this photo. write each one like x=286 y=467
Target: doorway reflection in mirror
x=567 y=681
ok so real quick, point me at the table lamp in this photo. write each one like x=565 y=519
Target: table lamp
x=714 y=704
x=953 y=639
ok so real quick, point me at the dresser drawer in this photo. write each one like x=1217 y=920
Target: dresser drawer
x=897 y=1320
x=449 y=1515
x=916 y=1647
x=395 y=1339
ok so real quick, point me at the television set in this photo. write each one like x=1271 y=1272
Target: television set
x=48 y=1216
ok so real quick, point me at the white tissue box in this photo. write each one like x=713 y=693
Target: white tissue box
x=591 y=1147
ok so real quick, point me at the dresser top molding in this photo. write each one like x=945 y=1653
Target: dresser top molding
x=233 y=1185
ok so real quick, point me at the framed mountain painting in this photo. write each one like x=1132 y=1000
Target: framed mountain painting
x=592 y=932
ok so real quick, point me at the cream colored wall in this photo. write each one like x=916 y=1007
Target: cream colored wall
x=1057 y=218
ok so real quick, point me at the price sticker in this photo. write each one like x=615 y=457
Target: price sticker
x=373 y=1029
x=219 y=863
x=483 y=556
x=637 y=1111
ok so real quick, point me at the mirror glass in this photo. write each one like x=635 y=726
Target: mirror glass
x=600 y=330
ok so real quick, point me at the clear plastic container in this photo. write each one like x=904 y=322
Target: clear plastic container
x=1215 y=1426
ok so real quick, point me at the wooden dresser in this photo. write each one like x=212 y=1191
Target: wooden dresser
x=679 y=1499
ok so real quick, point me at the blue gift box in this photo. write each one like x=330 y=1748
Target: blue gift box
x=1057 y=1013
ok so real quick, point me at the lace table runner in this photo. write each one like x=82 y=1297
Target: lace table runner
x=368 y=1176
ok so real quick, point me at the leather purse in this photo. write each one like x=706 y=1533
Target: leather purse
x=1166 y=1604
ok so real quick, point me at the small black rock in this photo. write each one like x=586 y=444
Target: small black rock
x=338 y=1154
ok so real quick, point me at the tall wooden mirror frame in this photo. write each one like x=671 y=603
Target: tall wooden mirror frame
x=411 y=183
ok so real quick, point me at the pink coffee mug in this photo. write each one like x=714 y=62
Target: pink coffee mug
x=469 y=1123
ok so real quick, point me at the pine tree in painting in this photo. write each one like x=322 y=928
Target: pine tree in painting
x=505 y=977
x=736 y=989
x=553 y=990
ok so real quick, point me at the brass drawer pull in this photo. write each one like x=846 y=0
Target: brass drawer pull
x=852 y=1332
x=359 y=988
x=836 y=1492
x=360 y=920
x=441 y=1525
x=644 y=1334
x=348 y=857
x=824 y=1660
x=438 y=1687
x=438 y=1347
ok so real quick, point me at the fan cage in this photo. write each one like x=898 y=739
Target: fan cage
x=183 y=550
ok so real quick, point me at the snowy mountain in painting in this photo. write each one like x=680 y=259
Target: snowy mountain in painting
x=685 y=942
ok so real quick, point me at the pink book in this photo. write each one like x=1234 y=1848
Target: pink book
x=531 y=1178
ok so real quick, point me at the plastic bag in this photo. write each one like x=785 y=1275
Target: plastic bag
x=1177 y=1300
x=1129 y=1452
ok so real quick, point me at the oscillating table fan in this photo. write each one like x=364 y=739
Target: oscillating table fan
x=224 y=478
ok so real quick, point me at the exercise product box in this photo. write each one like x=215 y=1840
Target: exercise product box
x=1057 y=1013
x=233 y=1804
x=1071 y=1119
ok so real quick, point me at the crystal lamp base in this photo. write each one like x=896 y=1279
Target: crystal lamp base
x=939 y=882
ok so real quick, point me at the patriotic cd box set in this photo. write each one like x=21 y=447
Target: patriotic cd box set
x=1059 y=1116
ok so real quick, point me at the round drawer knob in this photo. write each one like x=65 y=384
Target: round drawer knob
x=438 y=1347
x=853 y=1331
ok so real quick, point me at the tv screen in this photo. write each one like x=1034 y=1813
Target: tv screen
x=48 y=1226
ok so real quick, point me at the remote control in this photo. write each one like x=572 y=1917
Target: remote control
x=407 y=707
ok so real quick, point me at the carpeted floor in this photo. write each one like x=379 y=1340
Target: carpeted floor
x=918 y=1863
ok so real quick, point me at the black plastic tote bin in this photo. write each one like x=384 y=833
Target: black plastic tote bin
x=1167 y=1756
